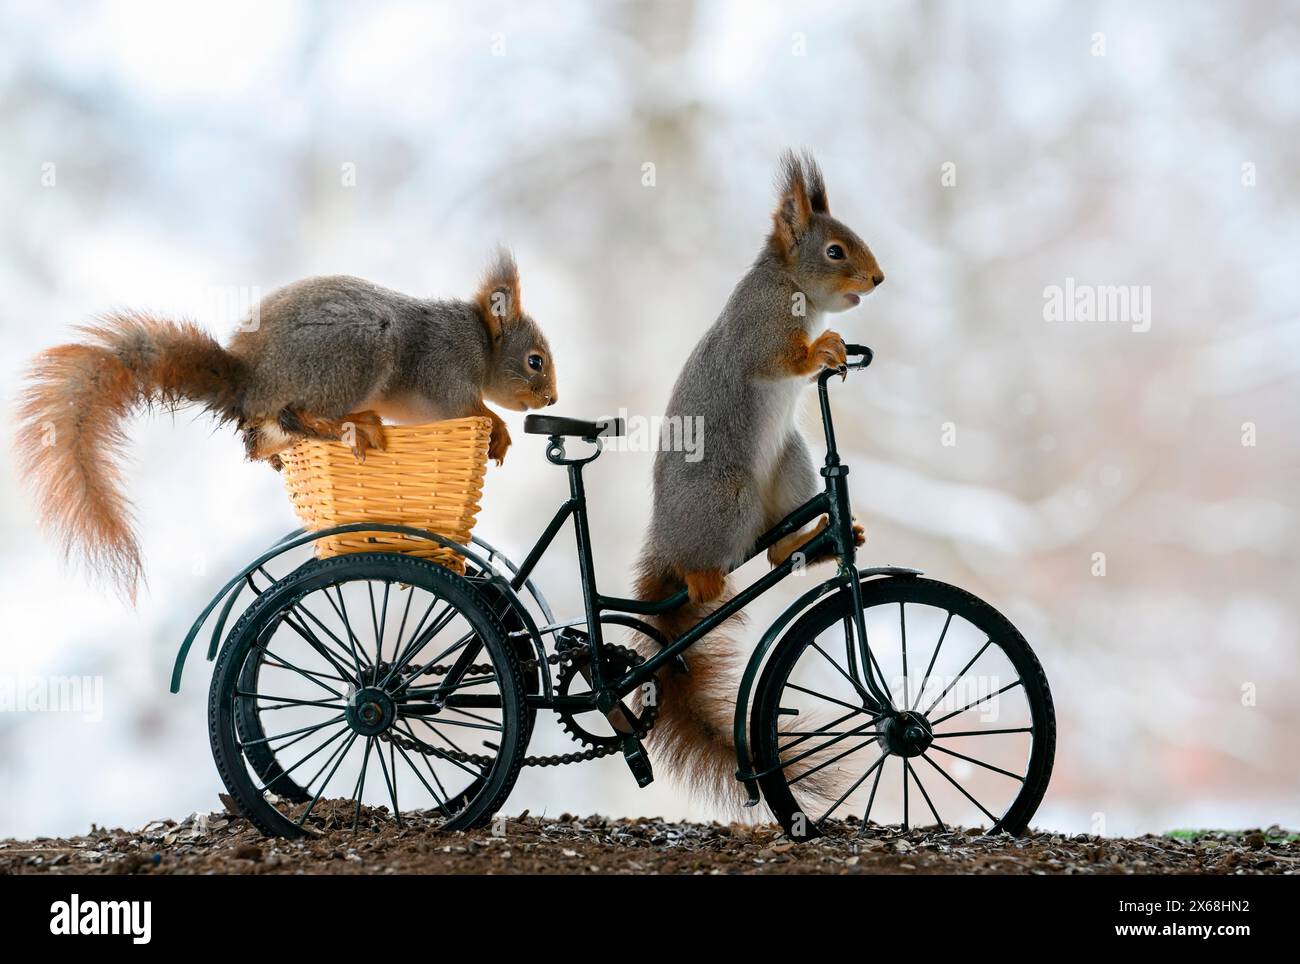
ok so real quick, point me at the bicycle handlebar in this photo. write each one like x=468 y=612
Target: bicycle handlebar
x=865 y=356
x=866 y=353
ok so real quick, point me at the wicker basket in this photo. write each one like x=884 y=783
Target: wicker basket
x=428 y=476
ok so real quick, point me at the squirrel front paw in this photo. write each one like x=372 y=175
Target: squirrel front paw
x=828 y=351
x=498 y=441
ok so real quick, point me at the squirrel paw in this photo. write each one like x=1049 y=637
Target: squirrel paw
x=781 y=550
x=499 y=442
x=859 y=533
x=363 y=431
x=828 y=351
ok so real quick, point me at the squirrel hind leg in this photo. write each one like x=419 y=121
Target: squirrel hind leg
x=360 y=431
x=705 y=585
x=264 y=441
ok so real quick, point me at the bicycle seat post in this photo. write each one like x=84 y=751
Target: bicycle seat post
x=556 y=455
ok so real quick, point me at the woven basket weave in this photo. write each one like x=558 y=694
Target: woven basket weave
x=428 y=476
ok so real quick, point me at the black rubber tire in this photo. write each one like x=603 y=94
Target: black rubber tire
x=249 y=723
x=263 y=761
x=224 y=718
x=764 y=718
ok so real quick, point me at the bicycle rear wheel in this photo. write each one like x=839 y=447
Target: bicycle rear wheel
x=373 y=687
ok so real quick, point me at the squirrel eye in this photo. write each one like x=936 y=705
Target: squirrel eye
x=835 y=252
x=535 y=362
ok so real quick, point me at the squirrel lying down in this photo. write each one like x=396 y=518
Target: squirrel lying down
x=326 y=358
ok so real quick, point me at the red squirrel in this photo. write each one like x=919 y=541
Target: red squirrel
x=744 y=379
x=325 y=358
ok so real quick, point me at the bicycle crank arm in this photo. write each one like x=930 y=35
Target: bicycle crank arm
x=620 y=717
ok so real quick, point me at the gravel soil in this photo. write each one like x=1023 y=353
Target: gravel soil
x=219 y=843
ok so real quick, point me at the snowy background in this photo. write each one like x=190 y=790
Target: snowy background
x=162 y=155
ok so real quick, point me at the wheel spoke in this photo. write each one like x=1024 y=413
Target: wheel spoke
x=420 y=776
x=825 y=763
x=401 y=627
x=472 y=716
x=360 y=787
x=359 y=654
x=271 y=786
x=823 y=696
x=875 y=785
x=807 y=734
x=316 y=643
x=960 y=788
x=374 y=622
x=921 y=786
x=981 y=763
x=278 y=736
x=391 y=783
x=905 y=772
x=281 y=663
x=857 y=686
x=971 y=706
x=933 y=656
x=902 y=628
x=464 y=640
x=440 y=753
x=426 y=692
x=962 y=672
x=856 y=783
x=1010 y=729
x=405 y=710
x=458 y=669
x=421 y=638
x=288 y=701
x=856 y=731
x=337 y=761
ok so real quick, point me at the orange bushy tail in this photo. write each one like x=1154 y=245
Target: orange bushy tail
x=693 y=734
x=70 y=432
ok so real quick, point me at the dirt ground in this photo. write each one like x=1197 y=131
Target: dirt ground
x=221 y=843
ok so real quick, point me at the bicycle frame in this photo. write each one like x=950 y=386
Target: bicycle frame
x=836 y=539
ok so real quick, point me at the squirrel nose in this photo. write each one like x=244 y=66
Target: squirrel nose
x=877 y=279
x=552 y=399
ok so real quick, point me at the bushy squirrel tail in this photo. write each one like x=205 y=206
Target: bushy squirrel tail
x=70 y=425
x=694 y=734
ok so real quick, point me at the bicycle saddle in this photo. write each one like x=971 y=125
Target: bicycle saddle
x=556 y=425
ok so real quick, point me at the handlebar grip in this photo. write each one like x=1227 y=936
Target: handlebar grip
x=866 y=353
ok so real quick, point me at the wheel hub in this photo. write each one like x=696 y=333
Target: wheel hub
x=370 y=711
x=906 y=734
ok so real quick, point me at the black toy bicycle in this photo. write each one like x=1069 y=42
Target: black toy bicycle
x=380 y=686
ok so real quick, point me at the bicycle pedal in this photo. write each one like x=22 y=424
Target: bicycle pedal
x=638 y=761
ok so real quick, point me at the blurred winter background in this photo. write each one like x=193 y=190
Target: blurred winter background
x=1129 y=497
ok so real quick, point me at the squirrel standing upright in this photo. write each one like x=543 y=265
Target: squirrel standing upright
x=324 y=358
x=744 y=379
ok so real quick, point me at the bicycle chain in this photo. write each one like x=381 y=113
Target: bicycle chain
x=416 y=745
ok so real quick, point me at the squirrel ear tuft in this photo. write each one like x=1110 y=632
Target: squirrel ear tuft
x=498 y=294
x=793 y=208
x=816 y=185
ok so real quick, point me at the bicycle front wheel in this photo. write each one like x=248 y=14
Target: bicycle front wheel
x=969 y=741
